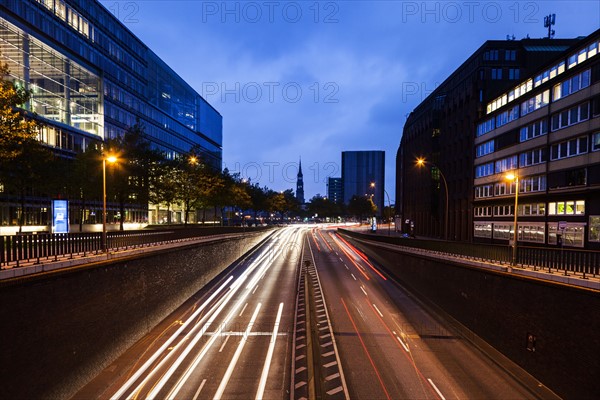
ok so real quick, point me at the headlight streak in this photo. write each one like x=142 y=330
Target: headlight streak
x=183 y=379
x=236 y=284
x=265 y=372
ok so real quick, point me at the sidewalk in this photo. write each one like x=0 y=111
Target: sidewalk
x=26 y=268
x=571 y=278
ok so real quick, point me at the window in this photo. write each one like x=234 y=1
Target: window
x=504 y=188
x=507 y=116
x=570 y=207
x=569 y=148
x=502 y=231
x=506 y=164
x=535 y=103
x=503 y=211
x=571 y=116
x=532 y=157
x=485 y=148
x=482 y=211
x=483 y=191
x=485 y=127
x=510 y=55
x=572 y=234
x=490 y=55
x=596 y=141
x=496 y=73
x=532 y=233
x=482 y=229
x=484 y=170
x=549 y=73
x=594 y=228
x=534 y=130
x=532 y=184
x=535 y=209
x=571 y=85
x=513 y=73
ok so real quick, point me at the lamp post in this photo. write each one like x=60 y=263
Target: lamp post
x=515 y=177
x=111 y=159
x=389 y=204
x=421 y=162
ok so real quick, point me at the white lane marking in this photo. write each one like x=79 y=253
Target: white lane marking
x=199 y=389
x=346 y=267
x=353 y=276
x=361 y=288
x=243 y=309
x=219 y=394
x=265 y=372
x=341 y=259
x=436 y=389
x=402 y=343
x=167 y=344
x=256 y=287
x=378 y=310
x=224 y=343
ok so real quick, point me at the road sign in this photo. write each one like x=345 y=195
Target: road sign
x=562 y=225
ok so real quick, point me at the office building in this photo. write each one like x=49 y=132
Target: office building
x=363 y=174
x=440 y=130
x=334 y=190
x=91 y=78
x=546 y=130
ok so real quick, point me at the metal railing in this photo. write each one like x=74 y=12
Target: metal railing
x=550 y=259
x=36 y=248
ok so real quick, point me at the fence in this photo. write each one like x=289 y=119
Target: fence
x=584 y=262
x=38 y=247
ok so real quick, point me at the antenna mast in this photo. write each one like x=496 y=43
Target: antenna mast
x=549 y=21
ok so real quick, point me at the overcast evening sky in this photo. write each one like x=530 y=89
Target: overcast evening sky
x=312 y=79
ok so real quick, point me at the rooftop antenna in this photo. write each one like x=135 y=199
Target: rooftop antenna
x=549 y=21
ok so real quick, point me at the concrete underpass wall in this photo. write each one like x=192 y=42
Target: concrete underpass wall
x=60 y=331
x=502 y=309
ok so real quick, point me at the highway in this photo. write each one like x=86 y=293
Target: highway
x=234 y=342
x=390 y=346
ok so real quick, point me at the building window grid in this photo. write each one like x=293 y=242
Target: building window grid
x=506 y=164
x=484 y=191
x=482 y=229
x=535 y=103
x=531 y=131
x=595 y=141
x=571 y=116
x=532 y=157
x=594 y=228
x=482 y=170
x=568 y=207
x=572 y=235
x=482 y=211
x=485 y=148
x=571 y=85
x=507 y=116
x=532 y=184
x=569 y=148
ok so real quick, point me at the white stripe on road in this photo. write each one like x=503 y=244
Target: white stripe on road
x=361 y=288
x=224 y=343
x=199 y=389
x=402 y=343
x=236 y=357
x=265 y=372
x=436 y=389
x=243 y=309
x=378 y=310
x=353 y=276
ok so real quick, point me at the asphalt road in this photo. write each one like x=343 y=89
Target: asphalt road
x=232 y=342
x=390 y=346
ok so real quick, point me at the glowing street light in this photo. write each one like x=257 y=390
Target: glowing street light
x=421 y=162
x=111 y=159
x=389 y=204
x=514 y=176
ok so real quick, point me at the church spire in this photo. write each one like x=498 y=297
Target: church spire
x=300 y=184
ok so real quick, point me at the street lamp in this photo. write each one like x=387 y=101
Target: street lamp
x=111 y=159
x=514 y=177
x=421 y=162
x=389 y=204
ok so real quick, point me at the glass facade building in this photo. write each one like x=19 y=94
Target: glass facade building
x=359 y=170
x=91 y=79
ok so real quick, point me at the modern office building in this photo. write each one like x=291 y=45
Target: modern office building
x=91 y=78
x=440 y=130
x=335 y=190
x=545 y=129
x=363 y=174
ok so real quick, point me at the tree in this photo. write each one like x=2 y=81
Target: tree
x=23 y=159
x=84 y=178
x=361 y=206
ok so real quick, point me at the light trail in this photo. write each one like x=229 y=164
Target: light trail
x=265 y=372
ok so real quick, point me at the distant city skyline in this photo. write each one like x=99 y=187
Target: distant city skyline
x=316 y=79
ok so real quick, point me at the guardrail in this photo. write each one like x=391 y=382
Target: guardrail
x=38 y=247
x=584 y=262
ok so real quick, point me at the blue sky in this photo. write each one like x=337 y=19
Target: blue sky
x=312 y=79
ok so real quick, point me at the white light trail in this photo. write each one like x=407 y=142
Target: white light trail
x=265 y=372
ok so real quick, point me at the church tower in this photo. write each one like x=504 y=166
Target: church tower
x=300 y=185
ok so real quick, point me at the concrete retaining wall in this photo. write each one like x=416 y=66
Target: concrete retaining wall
x=503 y=309
x=61 y=330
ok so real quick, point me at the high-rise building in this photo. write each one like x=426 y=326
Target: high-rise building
x=335 y=190
x=363 y=174
x=91 y=78
x=300 y=184
x=545 y=129
x=440 y=130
